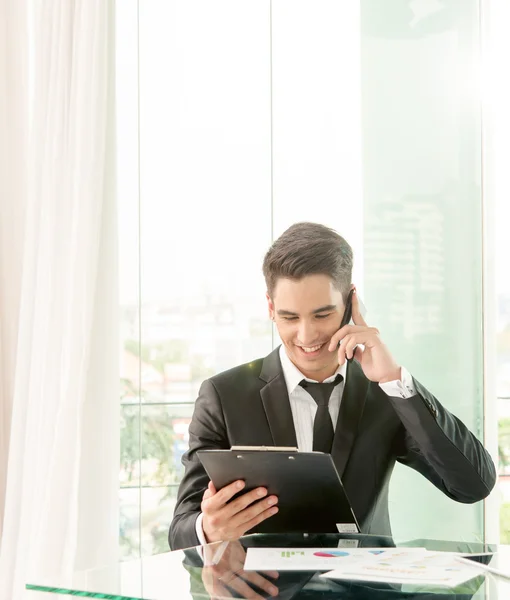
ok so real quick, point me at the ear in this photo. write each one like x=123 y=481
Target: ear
x=270 y=306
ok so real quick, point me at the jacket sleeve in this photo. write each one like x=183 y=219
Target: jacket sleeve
x=206 y=431
x=439 y=446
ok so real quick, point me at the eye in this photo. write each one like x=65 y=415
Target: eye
x=289 y=318
x=323 y=316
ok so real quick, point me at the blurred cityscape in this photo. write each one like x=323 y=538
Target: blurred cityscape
x=182 y=344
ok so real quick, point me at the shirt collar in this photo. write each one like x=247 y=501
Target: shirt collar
x=293 y=375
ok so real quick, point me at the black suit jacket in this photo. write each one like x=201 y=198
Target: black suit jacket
x=249 y=406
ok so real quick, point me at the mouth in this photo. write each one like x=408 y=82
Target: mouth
x=310 y=351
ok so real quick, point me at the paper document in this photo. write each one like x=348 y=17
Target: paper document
x=430 y=568
x=317 y=559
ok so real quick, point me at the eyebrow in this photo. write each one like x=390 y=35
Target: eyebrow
x=322 y=309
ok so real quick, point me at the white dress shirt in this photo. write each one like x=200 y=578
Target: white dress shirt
x=304 y=407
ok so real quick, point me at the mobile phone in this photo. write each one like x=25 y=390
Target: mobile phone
x=346 y=319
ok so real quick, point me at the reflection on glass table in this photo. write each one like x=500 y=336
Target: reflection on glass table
x=217 y=571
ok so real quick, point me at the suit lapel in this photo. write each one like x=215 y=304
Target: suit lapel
x=275 y=399
x=349 y=416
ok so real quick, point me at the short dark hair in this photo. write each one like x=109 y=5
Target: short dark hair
x=309 y=249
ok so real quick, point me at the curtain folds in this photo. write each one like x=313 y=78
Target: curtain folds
x=60 y=405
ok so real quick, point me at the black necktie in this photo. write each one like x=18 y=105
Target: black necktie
x=323 y=432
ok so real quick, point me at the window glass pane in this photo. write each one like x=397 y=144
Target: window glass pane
x=129 y=284
x=164 y=441
x=497 y=101
x=205 y=183
x=129 y=445
x=317 y=118
x=129 y=526
x=422 y=206
x=158 y=505
x=376 y=132
x=385 y=147
x=205 y=218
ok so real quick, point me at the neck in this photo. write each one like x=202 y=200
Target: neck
x=321 y=375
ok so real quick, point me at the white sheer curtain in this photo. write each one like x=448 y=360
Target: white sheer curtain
x=58 y=295
x=13 y=147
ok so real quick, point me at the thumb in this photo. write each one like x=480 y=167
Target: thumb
x=211 y=488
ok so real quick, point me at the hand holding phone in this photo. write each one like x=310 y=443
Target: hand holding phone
x=375 y=358
x=346 y=319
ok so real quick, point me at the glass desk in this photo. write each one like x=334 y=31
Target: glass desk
x=181 y=575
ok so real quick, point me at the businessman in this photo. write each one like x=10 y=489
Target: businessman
x=367 y=413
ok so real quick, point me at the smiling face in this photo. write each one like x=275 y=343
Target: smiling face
x=307 y=313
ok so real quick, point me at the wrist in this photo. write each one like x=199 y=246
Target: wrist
x=395 y=375
x=210 y=536
x=207 y=538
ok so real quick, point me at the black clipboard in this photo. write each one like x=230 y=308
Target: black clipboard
x=311 y=497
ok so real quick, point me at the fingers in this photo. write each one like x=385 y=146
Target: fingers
x=366 y=336
x=254 y=521
x=237 y=582
x=233 y=529
x=356 y=313
x=347 y=348
x=219 y=499
x=347 y=330
x=241 y=587
x=350 y=346
x=216 y=590
x=219 y=591
x=259 y=581
x=272 y=574
x=358 y=354
x=231 y=521
x=229 y=574
x=252 y=512
x=244 y=501
x=339 y=336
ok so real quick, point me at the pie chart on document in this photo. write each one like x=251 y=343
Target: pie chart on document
x=340 y=553
x=331 y=554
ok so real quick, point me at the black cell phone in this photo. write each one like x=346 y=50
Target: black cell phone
x=346 y=319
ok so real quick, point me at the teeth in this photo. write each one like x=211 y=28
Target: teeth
x=313 y=349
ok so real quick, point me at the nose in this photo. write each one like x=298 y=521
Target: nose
x=307 y=333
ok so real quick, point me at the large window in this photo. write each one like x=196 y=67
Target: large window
x=199 y=223
x=237 y=119
x=497 y=100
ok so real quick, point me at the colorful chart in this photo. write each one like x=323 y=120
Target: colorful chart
x=337 y=553
x=331 y=554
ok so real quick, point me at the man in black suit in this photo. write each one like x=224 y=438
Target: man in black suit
x=373 y=414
